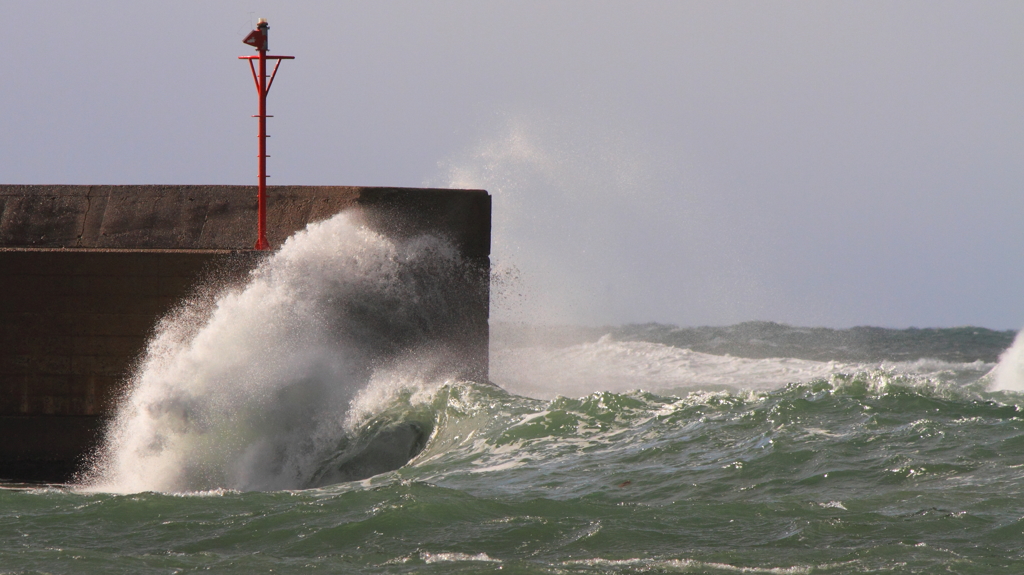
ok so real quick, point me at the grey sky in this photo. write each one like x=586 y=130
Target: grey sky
x=815 y=163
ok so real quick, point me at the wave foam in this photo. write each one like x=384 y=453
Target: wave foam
x=1008 y=374
x=618 y=366
x=254 y=393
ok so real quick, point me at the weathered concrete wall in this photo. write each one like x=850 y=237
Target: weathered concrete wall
x=224 y=217
x=70 y=322
x=86 y=272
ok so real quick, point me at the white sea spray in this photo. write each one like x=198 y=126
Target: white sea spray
x=1009 y=372
x=257 y=395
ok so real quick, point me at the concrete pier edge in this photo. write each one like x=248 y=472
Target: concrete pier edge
x=87 y=271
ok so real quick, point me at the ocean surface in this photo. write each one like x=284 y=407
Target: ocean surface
x=755 y=448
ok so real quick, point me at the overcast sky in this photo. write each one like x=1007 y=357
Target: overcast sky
x=814 y=163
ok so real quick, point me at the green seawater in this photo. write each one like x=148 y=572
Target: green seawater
x=867 y=472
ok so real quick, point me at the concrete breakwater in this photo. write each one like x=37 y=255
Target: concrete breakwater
x=87 y=271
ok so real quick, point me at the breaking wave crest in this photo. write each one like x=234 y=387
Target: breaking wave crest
x=1009 y=373
x=334 y=362
x=271 y=385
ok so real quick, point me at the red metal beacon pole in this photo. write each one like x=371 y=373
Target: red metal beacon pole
x=258 y=39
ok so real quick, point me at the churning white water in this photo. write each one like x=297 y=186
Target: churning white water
x=544 y=371
x=255 y=391
x=1009 y=372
